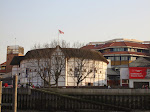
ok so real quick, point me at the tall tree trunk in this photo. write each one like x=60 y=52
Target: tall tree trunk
x=57 y=82
x=78 y=84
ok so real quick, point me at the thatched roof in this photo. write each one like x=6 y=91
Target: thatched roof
x=83 y=53
x=39 y=53
x=68 y=52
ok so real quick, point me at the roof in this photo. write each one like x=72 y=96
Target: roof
x=148 y=45
x=112 y=71
x=68 y=52
x=39 y=53
x=127 y=52
x=140 y=62
x=120 y=66
x=16 y=60
x=121 y=40
x=83 y=53
x=117 y=44
x=3 y=64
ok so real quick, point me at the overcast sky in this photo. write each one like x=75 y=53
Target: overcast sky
x=38 y=21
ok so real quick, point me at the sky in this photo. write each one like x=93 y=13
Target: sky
x=37 y=21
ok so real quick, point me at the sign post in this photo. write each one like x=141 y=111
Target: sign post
x=0 y=95
x=15 y=81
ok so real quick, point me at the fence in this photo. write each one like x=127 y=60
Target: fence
x=13 y=102
x=33 y=99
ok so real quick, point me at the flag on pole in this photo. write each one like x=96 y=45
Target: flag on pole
x=61 y=32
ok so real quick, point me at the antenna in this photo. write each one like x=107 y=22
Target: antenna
x=15 y=41
x=15 y=45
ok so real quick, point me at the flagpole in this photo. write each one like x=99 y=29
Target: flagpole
x=58 y=37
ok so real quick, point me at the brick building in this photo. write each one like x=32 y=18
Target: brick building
x=6 y=68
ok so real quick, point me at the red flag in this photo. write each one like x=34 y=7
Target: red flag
x=61 y=32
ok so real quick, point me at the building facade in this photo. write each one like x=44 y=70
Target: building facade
x=2 y=69
x=61 y=67
x=11 y=52
x=6 y=68
x=121 y=51
x=137 y=74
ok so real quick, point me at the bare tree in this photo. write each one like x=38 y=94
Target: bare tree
x=40 y=60
x=81 y=72
x=51 y=65
x=54 y=43
x=44 y=69
x=83 y=66
x=77 y=45
x=61 y=43
x=58 y=68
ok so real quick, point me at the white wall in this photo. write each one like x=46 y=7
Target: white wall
x=33 y=76
x=65 y=79
x=100 y=73
x=124 y=74
x=109 y=64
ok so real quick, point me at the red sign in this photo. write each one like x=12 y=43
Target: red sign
x=138 y=72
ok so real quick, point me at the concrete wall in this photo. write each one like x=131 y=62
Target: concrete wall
x=83 y=91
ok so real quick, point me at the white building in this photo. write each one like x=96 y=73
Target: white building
x=136 y=74
x=124 y=76
x=67 y=66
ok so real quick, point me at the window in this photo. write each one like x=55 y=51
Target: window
x=146 y=51
x=91 y=70
x=117 y=58
x=58 y=58
x=125 y=81
x=95 y=70
x=27 y=70
x=101 y=51
x=70 y=69
x=96 y=45
x=125 y=49
x=76 y=72
x=133 y=58
x=111 y=58
x=107 y=50
x=124 y=58
x=118 y=49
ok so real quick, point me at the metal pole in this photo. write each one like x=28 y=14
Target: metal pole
x=15 y=81
x=58 y=37
x=0 y=95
